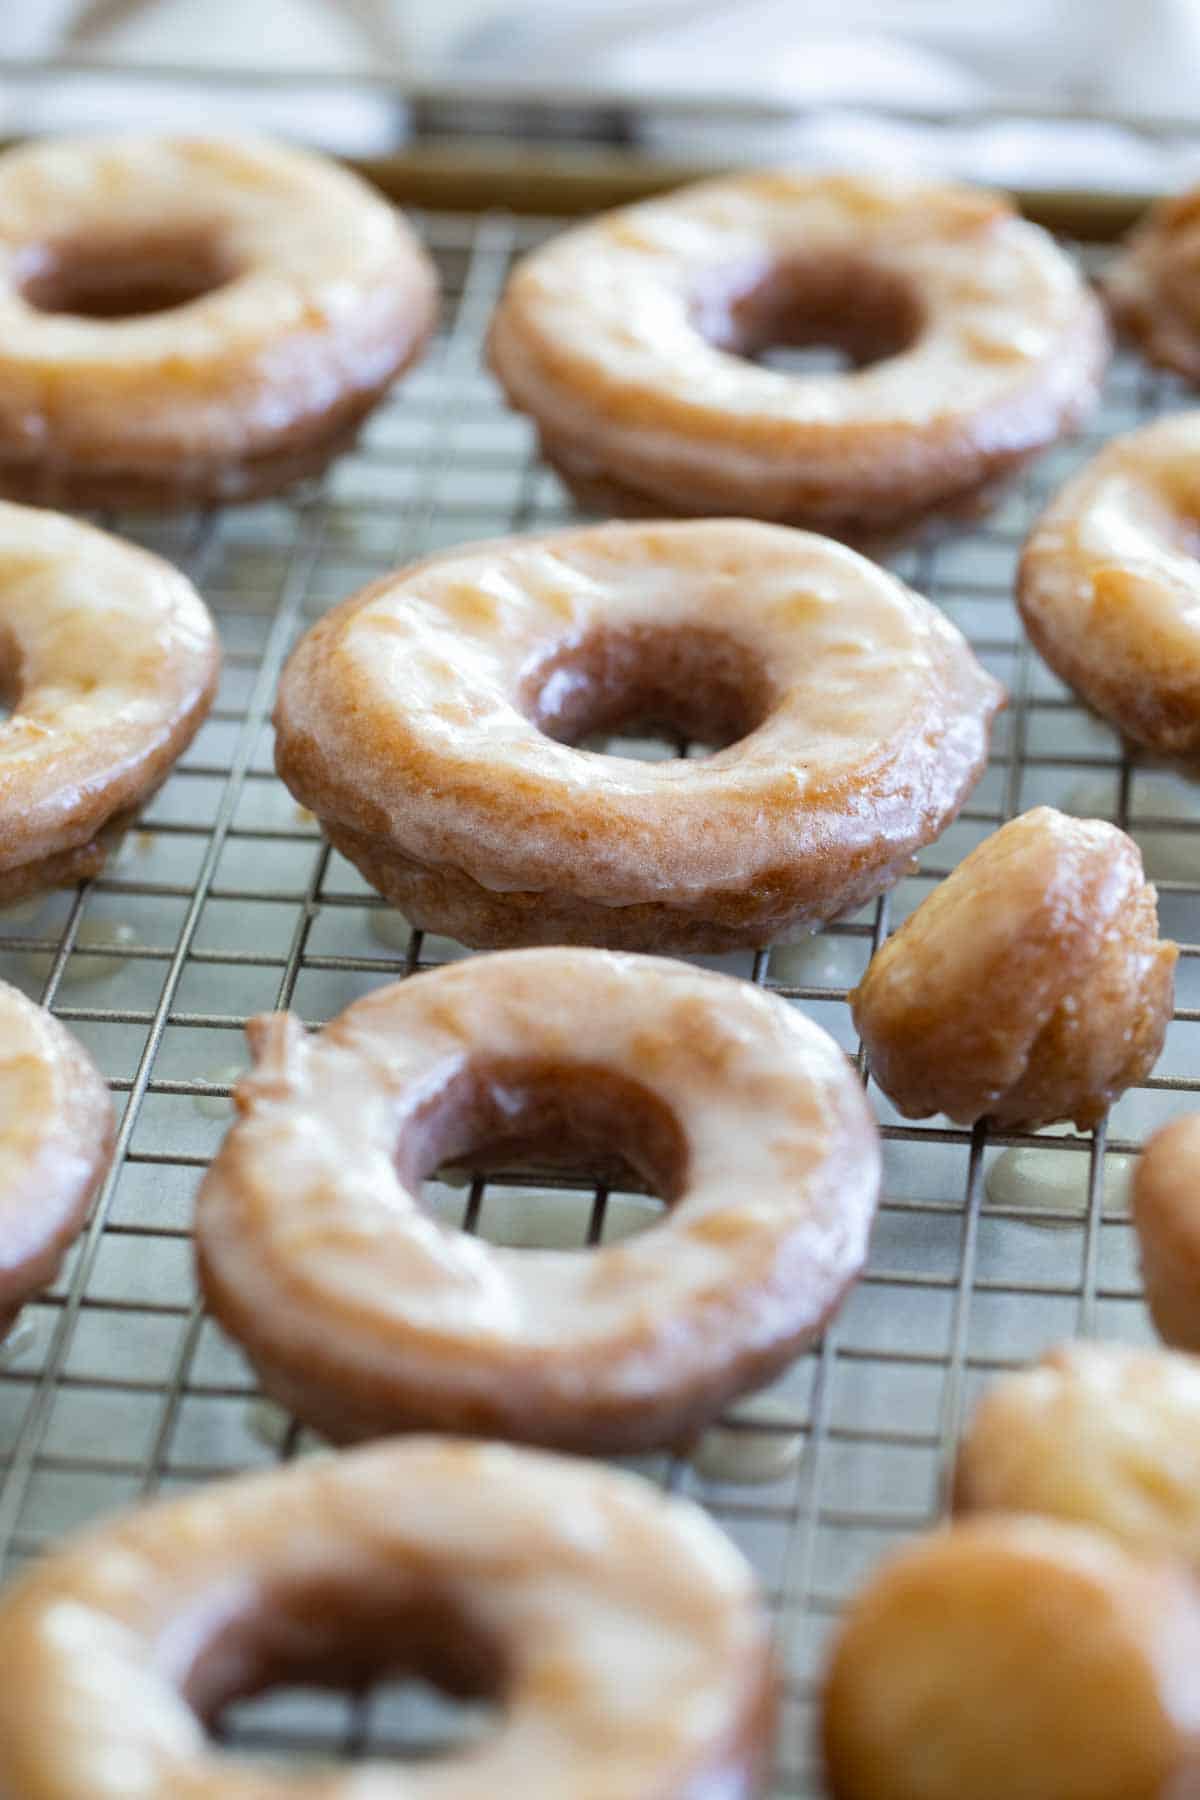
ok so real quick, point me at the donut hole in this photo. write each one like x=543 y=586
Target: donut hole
x=434 y=1679
x=582 y=1120
x=124 y=278
x=809 y=317
x=684 y=686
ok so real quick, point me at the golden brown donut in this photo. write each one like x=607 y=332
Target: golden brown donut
x=56 y=1139
x=109 y=659
x=1153 y=287
x=619 y=1630
x=627 y=339
x=1030 y=986
x=192 y=319
x=1166 y=1216
x=1010 y=1657
x=363 y=1315
x=1100 y=1434
x=1109 y=585
x=429 y=722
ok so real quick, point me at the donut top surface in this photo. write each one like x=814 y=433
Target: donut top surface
x=434 y=707
x=620 y=1629
x=1123 y=534
x=1154 y=286
x=107 y=654
x=296 y=283
x=643 y=307
x=56 y=1129
x=737 y=1109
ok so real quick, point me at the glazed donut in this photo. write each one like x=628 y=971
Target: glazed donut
x=186 y=319
x=1030 y=986
x=429 y=722
x=362 y=1315
x=619 y=1629
x=1166 y=1217
x=1007 y=1657
x=627 y=341
x=56 y=1139
x=109 y=659
x=1153 y=288
x=1097 y=1433
x=1109 y=585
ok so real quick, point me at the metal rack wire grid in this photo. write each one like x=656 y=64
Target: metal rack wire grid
x=225 y=902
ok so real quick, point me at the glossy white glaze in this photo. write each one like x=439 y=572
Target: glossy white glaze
x=635 y=1650
x=320 y=1258
x=611 y=335
x=113 y=656
x=1055 y=1182
x=407 y=706
x=56 y=1130
x=764 y=1448
x=86 y=964
x=327 y=292
x=1109 y=585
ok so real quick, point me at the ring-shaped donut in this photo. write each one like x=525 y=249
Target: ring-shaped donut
x=430 y=723
x=109 y=659
x=618 y=1629
x=627 y=341
x=187 y=319
x=1109 y=585
x=1153 y=287
x=56 y=1138
x=363 y=1314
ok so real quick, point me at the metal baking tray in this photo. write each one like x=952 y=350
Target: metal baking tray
x=224 y=902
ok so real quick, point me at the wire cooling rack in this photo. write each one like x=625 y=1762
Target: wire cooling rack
x=225 y=902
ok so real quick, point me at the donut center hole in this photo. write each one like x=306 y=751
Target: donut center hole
x=645 y=692
x=812 y=318
x=583 y=1123
x=124 y=278
x=319 y=1670
x=10 y=675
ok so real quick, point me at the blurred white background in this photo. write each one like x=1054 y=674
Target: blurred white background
x=834 y=61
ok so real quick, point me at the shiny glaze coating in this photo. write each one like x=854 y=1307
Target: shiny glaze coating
x=1166 y=1216
x=308 y=296
x=1007 y=1656
x=1101 y=1434
x=621 y=339
x=619 y=1629
x=1030 y=986
x=364 y=1315
x=1109 y=585
x=56 y=1138
x=1153 y=288
x=421 y=721
x=110 y=660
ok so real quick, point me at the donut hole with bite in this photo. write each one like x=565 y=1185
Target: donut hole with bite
x=125 y=277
